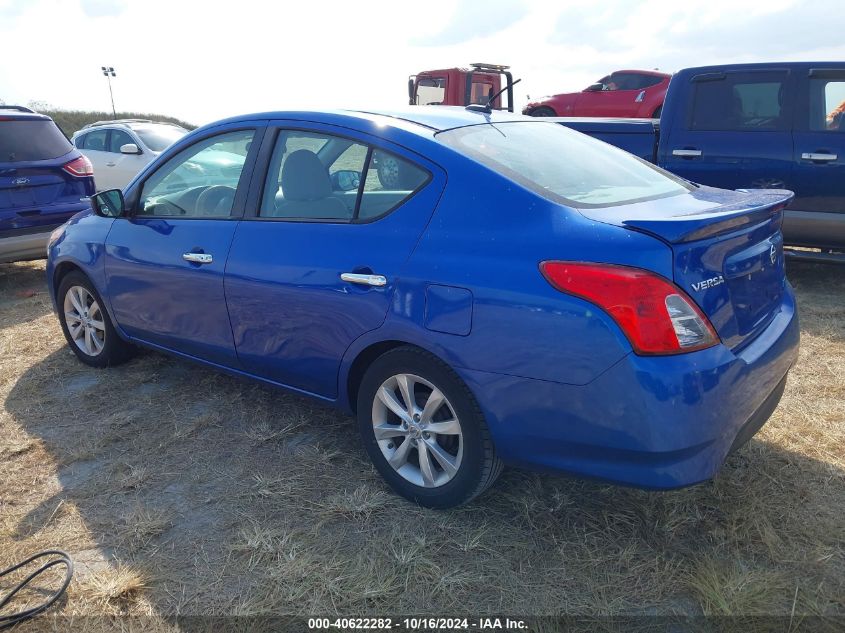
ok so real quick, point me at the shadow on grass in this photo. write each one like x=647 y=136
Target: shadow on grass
x=233 y=498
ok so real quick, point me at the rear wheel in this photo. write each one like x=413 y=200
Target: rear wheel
x=424 y=430
x=86 y=323
x=542 y=111
x=657 y=112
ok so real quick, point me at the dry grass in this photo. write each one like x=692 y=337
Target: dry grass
x=181 y=491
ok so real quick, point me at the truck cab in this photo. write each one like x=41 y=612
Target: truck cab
x=462 y=86
x=754 y=126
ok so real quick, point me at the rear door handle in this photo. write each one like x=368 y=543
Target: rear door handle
x=110 y=164
x=686 y=153
x=364 y=280
x=198 y=258
x=823 y=156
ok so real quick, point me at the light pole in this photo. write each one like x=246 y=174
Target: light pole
x=108 y=71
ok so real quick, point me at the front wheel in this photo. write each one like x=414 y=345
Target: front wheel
x=86 y=323
x=542 y=111
x=424 y=431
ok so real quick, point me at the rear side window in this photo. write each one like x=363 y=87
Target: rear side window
x=827 y=104
x=314 y=176
x=741 y=102
x=563 y=165
x=31 y=140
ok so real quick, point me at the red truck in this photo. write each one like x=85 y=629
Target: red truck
x=624 y=93
x=462 y=86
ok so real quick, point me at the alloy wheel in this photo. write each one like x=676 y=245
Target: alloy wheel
x=417 y=430
x=84 y=320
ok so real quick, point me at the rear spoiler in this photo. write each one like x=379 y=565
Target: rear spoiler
x=762 y=205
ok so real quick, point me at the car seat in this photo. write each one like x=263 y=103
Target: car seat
x=307 y=189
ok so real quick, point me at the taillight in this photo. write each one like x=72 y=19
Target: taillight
x=656 y=316
x=79 y=167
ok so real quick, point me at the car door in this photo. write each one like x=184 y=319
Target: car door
x=820 y=144
x=94 y=145
x=164 y=263
x=616 y=99
x=736 y=131
x=122 y=167
x=314 y=263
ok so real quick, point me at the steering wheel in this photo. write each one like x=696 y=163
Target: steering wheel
x=216 y=200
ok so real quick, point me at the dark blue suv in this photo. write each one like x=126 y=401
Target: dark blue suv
x=44 y=180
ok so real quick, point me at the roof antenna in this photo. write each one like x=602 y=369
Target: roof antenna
x=488 y=107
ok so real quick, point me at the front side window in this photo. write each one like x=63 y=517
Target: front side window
x=563 y=165
x=741 y=101
x=200 y=181
x=117 y=140
x=95 y=140
x=827 y=105
x=431 y=90
x=314 y=176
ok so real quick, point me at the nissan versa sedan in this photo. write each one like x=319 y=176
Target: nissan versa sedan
x=529 y=296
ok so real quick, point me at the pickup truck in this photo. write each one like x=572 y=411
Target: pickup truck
x=752 y=126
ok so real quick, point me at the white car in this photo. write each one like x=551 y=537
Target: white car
x=120 y=149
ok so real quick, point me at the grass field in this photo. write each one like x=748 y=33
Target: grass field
x=181 y=491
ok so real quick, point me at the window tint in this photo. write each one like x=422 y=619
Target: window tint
x=431 y=90
x=118 y=138
x=647 y=81
x=200 y=181
x=319 y=177
x=563 y=165
x=96 y=140
x=31 y=140
x=827 y=104
x=741 y=101
x=299 y=181
x=390 y=181
x=481 y=93
x=158 y=138
x=624 y=81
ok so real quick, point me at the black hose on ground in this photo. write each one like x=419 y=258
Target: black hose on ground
x=60 y=558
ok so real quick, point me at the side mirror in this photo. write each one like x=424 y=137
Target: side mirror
x=129 y=148
x=108 y=204
x=345 y=180
x=598 y=87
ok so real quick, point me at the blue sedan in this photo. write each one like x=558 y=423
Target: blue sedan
x=478 y=288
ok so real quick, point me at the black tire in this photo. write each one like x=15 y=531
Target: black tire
x=114 y=349
x=542 y=111
x=479 y=466
x=657 y=112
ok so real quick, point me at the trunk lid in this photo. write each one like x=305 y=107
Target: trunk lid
x=727 y=252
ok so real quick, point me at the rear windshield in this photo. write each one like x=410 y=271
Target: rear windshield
x=40 y=139
x=563 y=165
x=159 y=138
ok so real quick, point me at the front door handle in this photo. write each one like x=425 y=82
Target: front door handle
x=198 y=258
x=110 y=164
x=822 y=156
x=364 y=280
x=686 y=153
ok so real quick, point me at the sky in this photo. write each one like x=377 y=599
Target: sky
x=202 y=61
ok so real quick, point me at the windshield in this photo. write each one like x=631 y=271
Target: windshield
x=563 y=165
x=38 y=139
x=160 y=137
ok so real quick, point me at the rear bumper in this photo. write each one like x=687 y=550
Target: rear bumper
x=814 y=229
x=16 y=248
x=651 y=422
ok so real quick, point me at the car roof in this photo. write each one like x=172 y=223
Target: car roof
x=19 y=113
x=419 y=119
x=764 y=66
